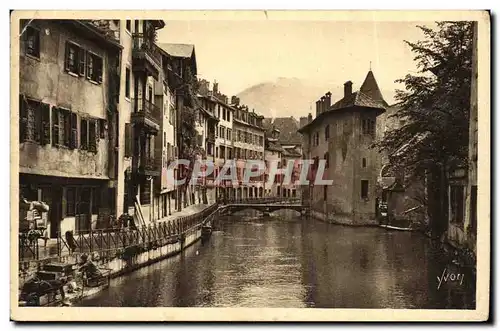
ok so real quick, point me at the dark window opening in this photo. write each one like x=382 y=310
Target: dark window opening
x=70 y=201
x=93 y=137
x=95 y=200
x=84 y=141
x=368 y=127
x=364 y=189
x=127 y=82
x=364 y=162
x=457 y=203
x=327 y=132
x=71 y=62
x=128 y=25
x=325 y=192
x=473 y=208
x=32 y=41
x=94 y=67
x=327 y=160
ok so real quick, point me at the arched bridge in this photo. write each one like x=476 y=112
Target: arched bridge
x=265 y=205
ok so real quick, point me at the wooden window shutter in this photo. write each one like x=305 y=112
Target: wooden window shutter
x=128 y=139
x=83 y=134
x=90 y=65
x=73 y=143
x=99 y=64
x=45 y=109
x=97 y=128
x=102 y=128
x=66 y=57
x=92 y=138
x=81 y=62
x=23 y=117
x=67 y=128
x=55 y=126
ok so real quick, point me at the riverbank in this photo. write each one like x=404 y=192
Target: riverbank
x=453 y=254
x=135 y=249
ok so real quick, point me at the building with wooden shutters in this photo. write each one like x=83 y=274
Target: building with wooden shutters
x=67 y=120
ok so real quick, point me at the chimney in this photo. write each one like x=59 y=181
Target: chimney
x=347 y=88
x=328 y=101
x=302 y=121
x=309 y=118
x=216 y=87
x=317 y=108
x=322 y=105
x=235 y=100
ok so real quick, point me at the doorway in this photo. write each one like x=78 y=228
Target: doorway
x=53 y=197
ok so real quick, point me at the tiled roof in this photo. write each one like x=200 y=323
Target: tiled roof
x=178 y=50
x=291 y=152
x=368 y=96
x=274 y=146
x=358 y=99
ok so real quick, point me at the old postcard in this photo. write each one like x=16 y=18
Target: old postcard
x=250 y=166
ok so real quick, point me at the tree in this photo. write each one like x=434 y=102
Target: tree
x=434 y=107
x=188 y=143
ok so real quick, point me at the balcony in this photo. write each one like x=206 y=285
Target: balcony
x=147 y=114
x=211 y=137
x=146 y=56
x=149 y=167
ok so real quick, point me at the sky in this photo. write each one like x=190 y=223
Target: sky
x=239 y=54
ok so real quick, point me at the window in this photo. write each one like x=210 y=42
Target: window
x=70 y=201
x=457 y=203
x=94 y=67
x=34 y=121
x=95 y=200
x=84 y=138
x=222 y=132
x=102 y=128
x=364 y=162
x=136 y=26
x=150 y=94
x=164 y=139
x=229 y=134
x=72 y=59
x=327 y=132
x=128 y=25
x=325 y=192
x=127 y=83
x=364 y=189
x=32 y=41
x=327 y=160
x=368 y=127
x=172 y=115
x=73 y=132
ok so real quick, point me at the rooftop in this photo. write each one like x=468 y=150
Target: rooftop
x=368 y=96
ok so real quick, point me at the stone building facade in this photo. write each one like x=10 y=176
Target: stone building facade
x=67 y=121
x=342 y=135
x=248 y=143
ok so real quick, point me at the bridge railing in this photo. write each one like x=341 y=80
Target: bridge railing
x=263 y=200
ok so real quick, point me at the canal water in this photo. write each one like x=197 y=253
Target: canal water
x=287 y=261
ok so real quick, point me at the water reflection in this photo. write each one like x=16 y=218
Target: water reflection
x=286 y=261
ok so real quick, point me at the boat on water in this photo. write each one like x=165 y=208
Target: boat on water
x=392 y=227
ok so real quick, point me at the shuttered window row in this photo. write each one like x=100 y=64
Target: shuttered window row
x=40 y=123
x=82 y=62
